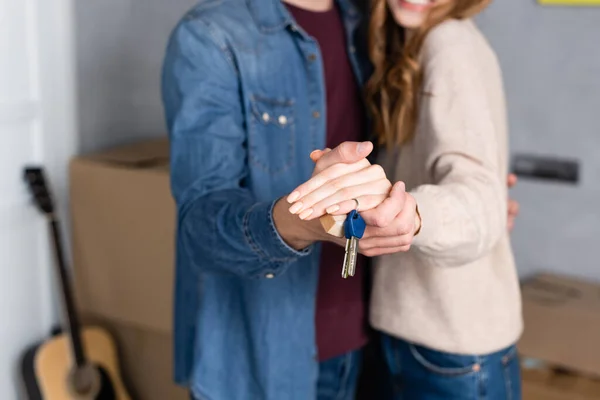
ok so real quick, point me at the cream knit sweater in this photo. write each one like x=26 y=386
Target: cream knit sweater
x=457 y=289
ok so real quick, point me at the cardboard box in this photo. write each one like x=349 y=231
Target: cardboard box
x=146 y=361
x=548 y=384
x=562 y=323
x=123 y=228
x=123 y=224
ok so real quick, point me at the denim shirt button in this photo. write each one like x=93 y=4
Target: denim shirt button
x=312 y=57
x=266 y=117
x=270 y=276
x=282 y=120
x=316 y=114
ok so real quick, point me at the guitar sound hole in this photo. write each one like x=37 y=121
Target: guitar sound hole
x=91 y=382
x=85 y=380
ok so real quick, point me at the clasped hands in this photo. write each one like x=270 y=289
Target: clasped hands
x=343 y=178
x=344 y=174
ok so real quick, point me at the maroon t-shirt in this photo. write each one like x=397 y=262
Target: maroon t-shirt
x=341 y=310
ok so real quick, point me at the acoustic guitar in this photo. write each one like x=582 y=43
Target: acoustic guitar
x=81 y=363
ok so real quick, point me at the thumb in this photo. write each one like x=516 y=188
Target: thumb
x=384 y=214
x=346 y=153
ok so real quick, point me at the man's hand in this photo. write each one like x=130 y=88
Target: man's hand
x=299 y=234
x=513 y=205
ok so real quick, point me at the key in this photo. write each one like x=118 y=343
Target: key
x=354 y=229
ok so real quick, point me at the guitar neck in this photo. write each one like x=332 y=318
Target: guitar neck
x=67 y=294
x=36 y=181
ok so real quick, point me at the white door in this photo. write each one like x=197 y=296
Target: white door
x=36 y=125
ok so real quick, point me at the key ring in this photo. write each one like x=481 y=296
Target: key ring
x=357 y=204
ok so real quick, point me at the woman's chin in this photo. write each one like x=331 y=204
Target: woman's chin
x=409 y=19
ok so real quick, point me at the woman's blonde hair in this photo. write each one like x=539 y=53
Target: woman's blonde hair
x=393 y=89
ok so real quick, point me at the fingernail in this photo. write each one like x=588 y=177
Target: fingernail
x=306 y=213
x=398 y=187
x=332 y=209
x=295 y=208
x=362 y=147
x=293 y=197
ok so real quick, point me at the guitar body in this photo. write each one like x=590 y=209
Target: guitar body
x=48 y=368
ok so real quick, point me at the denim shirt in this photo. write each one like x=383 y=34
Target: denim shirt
x=244 y=99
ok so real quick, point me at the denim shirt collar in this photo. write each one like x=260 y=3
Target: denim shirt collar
x=272 y=15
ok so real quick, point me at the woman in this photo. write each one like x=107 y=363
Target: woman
x=449 y=308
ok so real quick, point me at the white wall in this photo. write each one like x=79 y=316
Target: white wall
x=74 y=76
x=551 y=62
x=37 y=125
x=120 y=49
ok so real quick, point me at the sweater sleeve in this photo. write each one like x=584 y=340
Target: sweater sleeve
x=464 y=208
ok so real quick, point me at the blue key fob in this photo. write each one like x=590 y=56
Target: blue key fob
x=354 y=226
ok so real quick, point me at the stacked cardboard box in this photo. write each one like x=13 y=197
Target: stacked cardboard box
x=123 y=219
x=560 y=347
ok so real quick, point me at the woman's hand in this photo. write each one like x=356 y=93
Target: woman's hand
x=337 y=188
x=391 y=226
x=391 y=217
x=513 y=205
x=301 y=234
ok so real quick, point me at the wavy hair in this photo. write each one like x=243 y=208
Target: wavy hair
x=393 y=90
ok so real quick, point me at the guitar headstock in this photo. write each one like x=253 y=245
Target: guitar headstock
x=36 y=182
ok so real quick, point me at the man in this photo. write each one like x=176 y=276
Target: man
x=250 y=90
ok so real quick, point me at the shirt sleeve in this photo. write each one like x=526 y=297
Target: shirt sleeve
x=464 y=210
x=221 y=226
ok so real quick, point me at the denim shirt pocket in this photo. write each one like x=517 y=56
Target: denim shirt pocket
x=271 y=133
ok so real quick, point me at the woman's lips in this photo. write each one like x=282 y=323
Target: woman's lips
x=414 y=5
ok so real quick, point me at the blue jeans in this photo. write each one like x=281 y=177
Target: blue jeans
x=420 y=373
x=338 y=377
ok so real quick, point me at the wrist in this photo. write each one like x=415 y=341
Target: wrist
x=297 y=233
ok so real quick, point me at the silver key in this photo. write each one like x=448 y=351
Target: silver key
x=354 y=228
x=352 y=256
x=349 y=266
x=345 y=264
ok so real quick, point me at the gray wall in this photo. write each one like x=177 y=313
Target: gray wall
x=551 y=62
x=120 y=46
